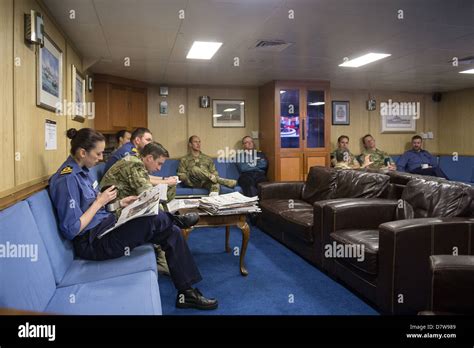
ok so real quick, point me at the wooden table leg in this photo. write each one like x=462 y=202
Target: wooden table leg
x=245 y=240
x=227 y=236
x=186 y=232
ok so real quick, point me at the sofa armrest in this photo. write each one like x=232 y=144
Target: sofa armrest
x=280 y=190
x=452 y=284
x=403 y=280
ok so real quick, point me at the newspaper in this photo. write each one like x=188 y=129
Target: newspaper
x=177 y=204
x=228 y=204
x=147 y=204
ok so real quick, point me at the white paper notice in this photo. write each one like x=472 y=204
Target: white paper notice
x=50 y=135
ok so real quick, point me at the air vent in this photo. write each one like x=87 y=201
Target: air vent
x=271 y=45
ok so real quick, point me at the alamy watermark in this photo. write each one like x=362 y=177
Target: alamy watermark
x=37 y=331
x=350 y=251
x=411 y=109
x=229 y=155
x=25 y=251
x=85 y=109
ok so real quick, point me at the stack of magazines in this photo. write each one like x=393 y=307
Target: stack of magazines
x=229 y=204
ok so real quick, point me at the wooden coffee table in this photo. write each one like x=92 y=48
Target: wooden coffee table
x=239 y=220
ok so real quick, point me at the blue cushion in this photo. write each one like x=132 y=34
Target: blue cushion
x=140 y=259
x=25 y=284
x=97 y=172
x=60 y=250
x=132 y=294
x=460 y=170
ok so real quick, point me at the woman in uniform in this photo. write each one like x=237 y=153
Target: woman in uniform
x=82 y=217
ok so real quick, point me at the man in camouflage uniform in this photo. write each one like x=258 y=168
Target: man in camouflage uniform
x=198 y=170
x=342 y=157
x=131 y=177
x=379 y=158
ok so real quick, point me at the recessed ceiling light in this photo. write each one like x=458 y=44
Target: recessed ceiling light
x=230 y=109
x=203 y=50
x=365 y=59
x=470 y=71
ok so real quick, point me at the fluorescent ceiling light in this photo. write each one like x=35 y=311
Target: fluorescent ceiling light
x=230 y=109
x=470 y=71
x=203 y=50
x=365 y=59
x=217 y=115
x=316 y=103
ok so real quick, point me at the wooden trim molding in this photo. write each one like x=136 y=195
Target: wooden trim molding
x=19 y=193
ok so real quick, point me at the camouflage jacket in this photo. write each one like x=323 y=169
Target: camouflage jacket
x=378 y=157
x=347 y=163
x=129 y=175
x=189 y=161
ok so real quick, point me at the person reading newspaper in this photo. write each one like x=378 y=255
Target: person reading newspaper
x=82 y=217
x=131 y=175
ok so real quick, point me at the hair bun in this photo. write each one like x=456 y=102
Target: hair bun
x=71 y=133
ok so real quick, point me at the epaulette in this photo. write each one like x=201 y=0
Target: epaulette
x=66 y=170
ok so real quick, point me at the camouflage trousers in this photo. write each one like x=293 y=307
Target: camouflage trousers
x=198 y=177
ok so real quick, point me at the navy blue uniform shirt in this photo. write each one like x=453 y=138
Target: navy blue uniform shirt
x=412 y=160
x=121 y=152
x=73 y=192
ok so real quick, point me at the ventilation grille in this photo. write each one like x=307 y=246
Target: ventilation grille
x=271 y=45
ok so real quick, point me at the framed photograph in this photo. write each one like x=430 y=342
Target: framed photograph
x=340 y=113
x=78 y=95
x=49 y=76
x=399 y=117
x=228 y=113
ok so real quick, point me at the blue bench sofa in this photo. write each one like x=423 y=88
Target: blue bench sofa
x=459 y=168
x=57 y=282
x=225 y=170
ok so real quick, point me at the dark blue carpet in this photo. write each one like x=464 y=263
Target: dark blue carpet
x=279 y=281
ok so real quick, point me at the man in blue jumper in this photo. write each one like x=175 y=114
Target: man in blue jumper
x=252 y=169
x=419 y=161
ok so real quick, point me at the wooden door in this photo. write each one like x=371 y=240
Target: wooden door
x=291 y=168
x=119 y=106
x=101 y=100
x=138 y=109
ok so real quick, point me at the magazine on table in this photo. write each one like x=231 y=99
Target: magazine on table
x=147 y=204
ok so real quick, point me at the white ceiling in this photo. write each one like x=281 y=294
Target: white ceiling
x=323 y=32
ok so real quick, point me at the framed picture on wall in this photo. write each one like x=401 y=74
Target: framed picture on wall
x=399 y=117
x=78 y=94
x=49 y=76
x=340 y=113
x=228 y=113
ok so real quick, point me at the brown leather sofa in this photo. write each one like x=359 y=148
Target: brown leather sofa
x=452 y=285
x=292 y=212
x=398 y=237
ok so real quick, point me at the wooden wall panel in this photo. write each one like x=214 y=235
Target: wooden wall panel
x=456 y=122
x=195 y=120
x=7 y=179
x=363 y=121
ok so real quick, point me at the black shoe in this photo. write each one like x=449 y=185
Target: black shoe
x=186 y=221
x=193 y=298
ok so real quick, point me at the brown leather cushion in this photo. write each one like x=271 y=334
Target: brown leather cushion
x=302 y=220
x=294 y=217
x=358 y=184
x=442 y=198
x=320 y=184
x=366 y=239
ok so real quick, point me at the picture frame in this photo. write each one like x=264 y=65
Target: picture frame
x=78 y=94
x=340 y=113
x=228 y=113
x=49 y=76
x=399 y=117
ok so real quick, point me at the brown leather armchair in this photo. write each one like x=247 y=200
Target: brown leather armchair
x=292 y=212
x=398 y=238
x=452 y=284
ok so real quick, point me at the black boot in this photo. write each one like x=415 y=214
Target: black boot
x=186 y=221
x=193 y=298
